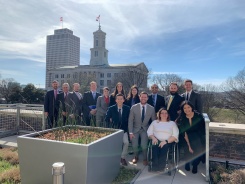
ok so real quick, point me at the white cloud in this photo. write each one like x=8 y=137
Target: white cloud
x=25 y=25
x=10 y=73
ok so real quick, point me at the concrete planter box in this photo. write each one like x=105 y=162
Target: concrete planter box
x=94 y=163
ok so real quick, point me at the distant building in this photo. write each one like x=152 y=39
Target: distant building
x=63 y=49
x=98 y=69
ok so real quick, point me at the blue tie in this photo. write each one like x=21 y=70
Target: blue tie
x=154 y=100
x=94 y=95
x=143 y=113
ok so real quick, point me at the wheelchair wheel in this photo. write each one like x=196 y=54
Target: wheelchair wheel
x=149 y=156
x=175 y=155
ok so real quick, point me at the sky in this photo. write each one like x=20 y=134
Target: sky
x=195 y=39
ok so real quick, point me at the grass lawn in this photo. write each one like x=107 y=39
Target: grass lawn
x=229 y=116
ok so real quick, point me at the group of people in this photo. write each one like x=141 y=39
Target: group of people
x=142 y=117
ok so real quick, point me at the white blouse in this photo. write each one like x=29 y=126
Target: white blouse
x=163 y=130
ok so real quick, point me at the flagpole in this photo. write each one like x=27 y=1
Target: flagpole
x=98 y=19
x=61 y=19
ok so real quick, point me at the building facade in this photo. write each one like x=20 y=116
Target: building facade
x=63 y=49
x=99 y=69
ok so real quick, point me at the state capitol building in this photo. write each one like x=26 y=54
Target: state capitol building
x=63 y=63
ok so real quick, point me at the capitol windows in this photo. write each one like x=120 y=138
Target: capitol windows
x=96 y=53
x=109 y=75
x=97 y=43
x=56 y=76
x=62 y=76
x=74 y=75
x=102 y=75
x=102 y=82
x=108 y=82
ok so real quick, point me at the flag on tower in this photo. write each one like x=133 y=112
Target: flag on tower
x=98 y=18
x=61 y=19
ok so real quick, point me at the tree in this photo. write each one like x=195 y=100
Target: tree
x=32 y=95
x=132 y=76
x=234 y=89
x=164 y=80
x=10 y=90
x=212 y=100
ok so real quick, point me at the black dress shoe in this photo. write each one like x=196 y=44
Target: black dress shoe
x=194 y=169
x=187 y=167
x=123 y=162
x=135 y=160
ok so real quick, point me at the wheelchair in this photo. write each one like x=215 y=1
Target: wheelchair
x=172 y=159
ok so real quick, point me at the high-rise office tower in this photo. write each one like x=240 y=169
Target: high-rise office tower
x=63 y=49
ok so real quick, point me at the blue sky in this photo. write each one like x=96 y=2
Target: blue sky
x=200 y=40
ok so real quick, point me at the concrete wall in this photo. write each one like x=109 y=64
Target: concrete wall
x=227 y=141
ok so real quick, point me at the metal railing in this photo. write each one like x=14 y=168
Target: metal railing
x=21 y=118
x=207 y=121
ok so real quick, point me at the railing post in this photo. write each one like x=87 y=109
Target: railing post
x=58 y=172
x=43 y=119
x=18 y=118
x=207 y=121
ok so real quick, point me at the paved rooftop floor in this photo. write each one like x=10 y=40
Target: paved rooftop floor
x=179 y=176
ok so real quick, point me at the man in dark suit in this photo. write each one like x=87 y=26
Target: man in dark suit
x=173 y=101
x=156 y=100
x=51 y=105
x=141 y=115
x=63 y=101
x=89 y=103
x=192 y=96
x=75 y=103
x=117 y=115
x=195 y=99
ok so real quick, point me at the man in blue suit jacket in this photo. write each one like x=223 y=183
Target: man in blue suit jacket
x=156 y=100
x=117 y=117
x=89 y=103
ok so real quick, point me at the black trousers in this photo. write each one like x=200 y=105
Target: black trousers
x=159 y=156
x=52 y=120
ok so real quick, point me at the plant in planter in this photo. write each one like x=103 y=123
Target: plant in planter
x=86 y=160
x=220 y=174
x=9 y=166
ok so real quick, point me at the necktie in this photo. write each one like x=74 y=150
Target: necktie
x=65 y=95
x=143 y=113
x=78 y=95
x=55 y=94
x=120 y=116
x=170 y=101
x=154 y=100
x=94 y=95
x=187 y=97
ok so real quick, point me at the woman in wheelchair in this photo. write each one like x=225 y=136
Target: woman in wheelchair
x=162 y=133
